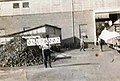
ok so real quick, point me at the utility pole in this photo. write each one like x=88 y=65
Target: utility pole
x=73 y=22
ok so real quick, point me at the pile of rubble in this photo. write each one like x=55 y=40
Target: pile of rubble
x=16 y=53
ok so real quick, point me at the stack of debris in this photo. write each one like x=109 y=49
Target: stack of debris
x=16 y=53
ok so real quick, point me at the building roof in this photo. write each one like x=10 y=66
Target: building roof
x=13 y=34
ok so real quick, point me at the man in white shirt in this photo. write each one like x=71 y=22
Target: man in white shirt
x=46 y=55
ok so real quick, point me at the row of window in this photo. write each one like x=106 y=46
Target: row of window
x=24 y=5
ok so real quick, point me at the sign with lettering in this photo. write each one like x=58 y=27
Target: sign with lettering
x=54 y=40
x=42 y=41
x=31 y=42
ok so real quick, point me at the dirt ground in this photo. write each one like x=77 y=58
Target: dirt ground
x=89 y=65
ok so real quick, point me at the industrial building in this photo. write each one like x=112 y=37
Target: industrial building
x=72 y=16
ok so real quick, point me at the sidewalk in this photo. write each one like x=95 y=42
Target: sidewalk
x=89 y=56
x=82 y=66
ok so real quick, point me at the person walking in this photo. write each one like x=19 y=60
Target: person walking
x=101 y=42
x=82 y=44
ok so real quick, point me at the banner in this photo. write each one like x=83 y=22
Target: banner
x=31 y=42
x=107 y=35
x=42 y=41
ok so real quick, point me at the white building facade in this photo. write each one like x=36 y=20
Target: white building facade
x=17 y=15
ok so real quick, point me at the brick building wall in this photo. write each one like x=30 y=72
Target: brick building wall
x=63 y=20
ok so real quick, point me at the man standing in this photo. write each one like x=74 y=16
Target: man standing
x=46 y=54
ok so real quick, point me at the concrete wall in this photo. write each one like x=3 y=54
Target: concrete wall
x=63 y=20
x=50 y=6
x=55 y=12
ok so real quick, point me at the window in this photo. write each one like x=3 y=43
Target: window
x=15 y=5
x=26 y=5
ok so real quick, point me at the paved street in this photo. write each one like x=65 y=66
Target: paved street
x=82 y=66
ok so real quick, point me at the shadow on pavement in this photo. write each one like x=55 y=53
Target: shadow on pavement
x=78 y=64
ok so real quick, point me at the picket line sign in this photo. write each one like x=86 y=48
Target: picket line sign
x=42 y=41
x=31 y=37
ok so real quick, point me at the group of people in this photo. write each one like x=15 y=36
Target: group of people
x=46 y=52
x=82 y=43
